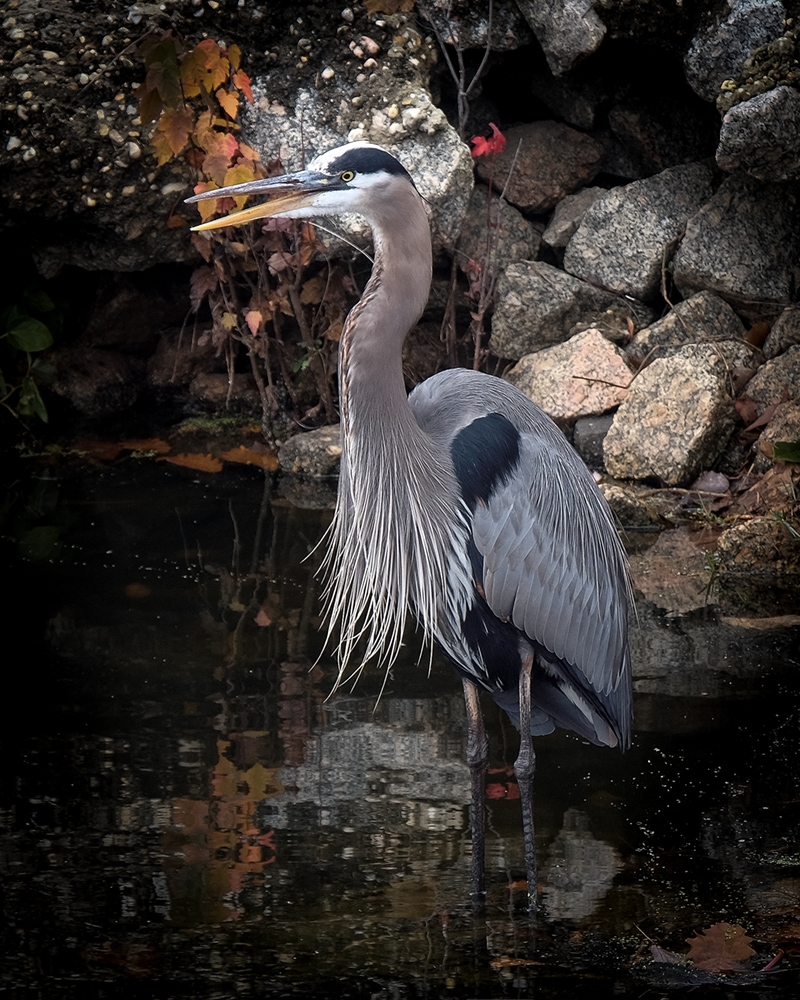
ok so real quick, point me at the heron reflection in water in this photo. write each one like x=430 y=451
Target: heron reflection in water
x=461 y=504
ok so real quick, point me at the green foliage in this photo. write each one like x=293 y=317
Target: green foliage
x=787 y=451
x=26 y=328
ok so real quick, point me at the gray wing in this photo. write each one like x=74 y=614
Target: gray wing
x=553 y=563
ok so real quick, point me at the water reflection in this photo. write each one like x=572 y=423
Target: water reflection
x=183 y=808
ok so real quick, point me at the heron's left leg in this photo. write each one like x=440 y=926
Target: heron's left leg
x=524 y=768
x=477 y=758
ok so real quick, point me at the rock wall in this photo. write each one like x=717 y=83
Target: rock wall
x=649 y=188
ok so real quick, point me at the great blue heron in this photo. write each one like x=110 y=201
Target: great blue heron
x=462 y=503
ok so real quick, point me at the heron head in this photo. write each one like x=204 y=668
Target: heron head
x=349 y=178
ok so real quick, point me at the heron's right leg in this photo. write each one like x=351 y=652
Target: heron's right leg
x=477 y=758
x=524 y=767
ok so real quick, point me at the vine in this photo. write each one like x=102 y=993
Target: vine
x=254 y=281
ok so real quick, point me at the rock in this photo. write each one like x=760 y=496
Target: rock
x=219 y=390
x=625 y=238
x=776 y=381
x=577 y=101
x=711 y=482
x=547 y=161
x=428 y=146
x=537 y=305
x=464 y=25
x=720 y=48
x=762 y=136
x=568 y=215
x=97 y=382
x=629 y=509
x=587 y=439
x=702 y=318
x=655 y=138
x=567 y=32
x=586 y=376
x=495 y=233
x=315 y=453
x=743 y=244
x=784 y=334
x=761 y=547
x=773 y=65
x=677 y=416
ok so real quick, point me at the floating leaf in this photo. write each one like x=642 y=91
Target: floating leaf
x=250 y=456
x=203 y=463
x=722 y=947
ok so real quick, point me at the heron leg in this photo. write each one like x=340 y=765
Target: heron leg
x=477 y=758
x=524 y=768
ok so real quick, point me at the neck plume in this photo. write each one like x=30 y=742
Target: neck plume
x=391 y=542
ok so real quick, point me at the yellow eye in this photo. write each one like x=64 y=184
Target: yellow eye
x=347 y=175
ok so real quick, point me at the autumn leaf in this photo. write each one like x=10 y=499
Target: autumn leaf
x=202 y=463
x=229 y=101
x=215 y=166
x=242 y=82
x=254 y=319
x=482 y=146
x=722 y=947
x=234 y=54
x=176 y=124
x=251 y=456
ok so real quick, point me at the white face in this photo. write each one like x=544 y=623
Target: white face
x=361 y=190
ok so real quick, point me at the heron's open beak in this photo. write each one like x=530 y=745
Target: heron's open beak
x=294 y=191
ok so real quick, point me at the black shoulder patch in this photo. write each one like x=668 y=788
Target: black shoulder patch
x=366 y=160
x=485 y=453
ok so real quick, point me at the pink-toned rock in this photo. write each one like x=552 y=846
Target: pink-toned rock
x=585 y=376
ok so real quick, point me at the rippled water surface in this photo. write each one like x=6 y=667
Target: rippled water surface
x=184 y=814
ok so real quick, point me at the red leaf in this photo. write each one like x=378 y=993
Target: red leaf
x=496 y=143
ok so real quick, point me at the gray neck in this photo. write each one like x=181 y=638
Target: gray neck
x=371 y=350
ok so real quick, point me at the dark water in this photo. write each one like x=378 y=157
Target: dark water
x=185 y=815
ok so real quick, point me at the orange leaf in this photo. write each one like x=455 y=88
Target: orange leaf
x=229 y=101
x=242 y=81
x=249 y=456
x=203 y=463
x=254 y=319
x=249 y=152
